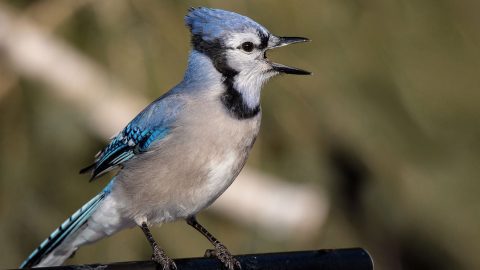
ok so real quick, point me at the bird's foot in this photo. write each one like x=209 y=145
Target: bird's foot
x=162 y=259
x=221 y=252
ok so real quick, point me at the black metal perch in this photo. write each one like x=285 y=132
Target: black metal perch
x=329 y=259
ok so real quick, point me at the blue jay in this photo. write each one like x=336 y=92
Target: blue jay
x=180 y=153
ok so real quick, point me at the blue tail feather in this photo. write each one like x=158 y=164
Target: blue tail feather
x=68 y=227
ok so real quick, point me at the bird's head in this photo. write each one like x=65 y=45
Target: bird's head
x=236 y=43
x=237 y=47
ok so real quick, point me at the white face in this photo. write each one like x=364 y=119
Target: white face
x=246 y=55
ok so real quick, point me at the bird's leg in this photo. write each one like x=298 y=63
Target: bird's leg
x=159 y=256
x=221 y=252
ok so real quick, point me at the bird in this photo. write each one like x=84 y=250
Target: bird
x=181 y=152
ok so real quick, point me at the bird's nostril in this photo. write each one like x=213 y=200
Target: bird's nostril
x=265 y=54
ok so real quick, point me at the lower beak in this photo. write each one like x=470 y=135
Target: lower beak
x=276 y=42
x=289 y=70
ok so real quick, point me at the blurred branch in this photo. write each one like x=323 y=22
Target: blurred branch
x=107 y=105
x=51 y=14
x=40 y=56
x=7 y=80
x=279 y=207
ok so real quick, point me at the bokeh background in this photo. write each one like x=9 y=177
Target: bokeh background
x=385 y=133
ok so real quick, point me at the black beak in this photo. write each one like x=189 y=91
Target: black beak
x=276 y=42
x=284 y=41
x=289 y=70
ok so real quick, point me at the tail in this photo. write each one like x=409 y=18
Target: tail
x=60 y=245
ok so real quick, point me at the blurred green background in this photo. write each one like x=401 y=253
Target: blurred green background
x=388 y=125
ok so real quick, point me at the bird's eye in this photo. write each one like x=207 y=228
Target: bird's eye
x=247 y=46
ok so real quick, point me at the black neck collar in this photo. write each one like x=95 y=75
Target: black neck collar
x=232 y=99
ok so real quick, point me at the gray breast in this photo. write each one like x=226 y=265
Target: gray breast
x=191 y=167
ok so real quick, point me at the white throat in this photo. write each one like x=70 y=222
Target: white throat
x=249 y=85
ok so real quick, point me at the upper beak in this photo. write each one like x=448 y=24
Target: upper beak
x=284 y=41
x=276 y=42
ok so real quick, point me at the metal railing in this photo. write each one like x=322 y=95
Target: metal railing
x=331 y=259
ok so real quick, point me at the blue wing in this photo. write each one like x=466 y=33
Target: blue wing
x=152 y=124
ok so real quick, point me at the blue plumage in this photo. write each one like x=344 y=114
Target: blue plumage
x=213 y=24
x=151 y=125
x=131 y=141
x=183 y=150
x=68 y=227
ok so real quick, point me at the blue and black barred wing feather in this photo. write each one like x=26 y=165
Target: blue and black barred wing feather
x=132 y=141
x=69 y=227
x=151 y=125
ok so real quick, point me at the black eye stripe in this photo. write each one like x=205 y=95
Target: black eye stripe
x=264 y=39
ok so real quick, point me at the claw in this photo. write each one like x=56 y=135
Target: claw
x=222 y=253
x=162 y=259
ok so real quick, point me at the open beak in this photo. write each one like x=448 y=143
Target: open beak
x=276 y=42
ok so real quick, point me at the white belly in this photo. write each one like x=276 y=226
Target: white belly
x=222 y=172
x=188 y=170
